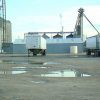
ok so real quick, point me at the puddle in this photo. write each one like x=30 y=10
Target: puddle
x=51 y=63
x=11 y=62
x=14 y=70
x=61 y=73
x=28 y=62
x=7 y=61
x=11 y=72
x=28 y=68
x=36 y=63
x=65 y=73
x=40 y=67
x=18 y=72
x=19 y=67
x=38 y=82
x=20 y=62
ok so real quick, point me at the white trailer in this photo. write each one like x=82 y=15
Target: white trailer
x=35 y=44
x=93 y=45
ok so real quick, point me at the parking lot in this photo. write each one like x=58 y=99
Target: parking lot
x=50 y=77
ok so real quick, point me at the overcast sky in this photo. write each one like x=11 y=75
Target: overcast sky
x=44 y=15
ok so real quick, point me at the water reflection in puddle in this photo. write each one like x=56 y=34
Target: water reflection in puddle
x=7 y=61
x=50 y=63
x=65 y=73
x=14 y=70
x=28 y=68
x=18 y=72
x=59 y=73
x=20 y=62
x=11 y=72
x=28 y=62
x=38 y=82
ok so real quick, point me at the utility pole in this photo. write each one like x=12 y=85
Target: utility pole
x=3 y=22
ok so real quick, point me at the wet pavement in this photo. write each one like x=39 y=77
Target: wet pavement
x=68 y=72
x=52 y=77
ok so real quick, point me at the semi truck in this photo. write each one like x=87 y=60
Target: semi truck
x=93 y=45
x=35 y=44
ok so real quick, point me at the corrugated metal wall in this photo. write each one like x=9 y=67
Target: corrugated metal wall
x=51 y=48
x=19 y=48
x=63 y=47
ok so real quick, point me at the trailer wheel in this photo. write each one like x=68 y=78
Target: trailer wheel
x=34 y=54
x=44 y=52
x=88 y=52
x=99 y=53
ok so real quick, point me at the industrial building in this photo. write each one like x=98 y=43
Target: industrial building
x=59 y=42
x=54 y=44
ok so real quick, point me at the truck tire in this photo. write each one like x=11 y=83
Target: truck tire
x=44 y=52
x=98 y=53
x=34 y=54
x=88 y=52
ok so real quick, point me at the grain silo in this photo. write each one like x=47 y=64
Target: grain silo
x=5 y=29
x=5 y=35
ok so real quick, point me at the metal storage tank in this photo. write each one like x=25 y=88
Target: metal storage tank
x=74 y=50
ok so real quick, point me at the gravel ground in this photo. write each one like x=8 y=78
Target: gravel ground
x=32 y=78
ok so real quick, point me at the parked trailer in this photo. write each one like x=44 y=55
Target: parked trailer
x=93 y=45
x=35 y=44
